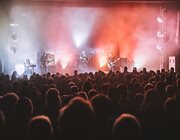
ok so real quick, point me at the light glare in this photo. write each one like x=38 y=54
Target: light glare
x=102 y=61
x=20 y=69
x=159 y=19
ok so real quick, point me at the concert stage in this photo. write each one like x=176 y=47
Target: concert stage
x=141 y=34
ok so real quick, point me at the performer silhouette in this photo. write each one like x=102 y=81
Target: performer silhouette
x=111 y=62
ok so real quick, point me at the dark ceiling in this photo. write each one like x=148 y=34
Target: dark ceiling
x=174 y=4
x=98 y=2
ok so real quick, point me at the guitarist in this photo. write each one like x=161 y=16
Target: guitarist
x=43 y=62
x=111 y=62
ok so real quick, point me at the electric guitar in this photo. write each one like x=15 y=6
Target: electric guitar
x=84 y=59
x=111 y=64
x=45 y=63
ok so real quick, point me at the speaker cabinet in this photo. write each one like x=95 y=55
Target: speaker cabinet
x=1 y=66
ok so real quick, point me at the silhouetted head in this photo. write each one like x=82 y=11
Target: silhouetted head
x=92 y=93
x=122 y=89
x=77 y=120
x=87 y=86
x=24 y=108
x=40 y=128
x=139 y=97
x=83 y=95
x=52 y=97
x=9 y=102
x=134 y=69
x=74 y=89
x=125 y=69
x=170 y=90
x=172 y=108
x=160 y=86
x=144 y=70
x=151 y=97
x=126 y=127
x=171 y=69
x=147 y=87
x=102 y=106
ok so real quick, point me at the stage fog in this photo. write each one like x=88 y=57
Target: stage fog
x=125 y=31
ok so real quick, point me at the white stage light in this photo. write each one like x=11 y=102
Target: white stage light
x=160 y=19
x=81 y=21
x=78 y=39
x=20 y=68
x=139 y=61
x=160 y=34
x=158 y=46
x=13 y=24
x=66 y=59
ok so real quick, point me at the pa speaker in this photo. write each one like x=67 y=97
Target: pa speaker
x=1 y=66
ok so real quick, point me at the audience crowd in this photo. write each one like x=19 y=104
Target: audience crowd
x=137 y=105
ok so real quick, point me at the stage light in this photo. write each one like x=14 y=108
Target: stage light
x=81 y=22
x=64 y=65
x=160 y=34
x=78 y=39
x=64 y=62
x=158 y=46
x=64 y=57
x=13 y=24
x=102 y=61
x=80 y=35
x=20 y=68
x=160 y=19
x=139 y=62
